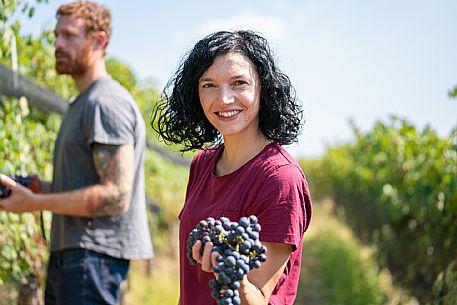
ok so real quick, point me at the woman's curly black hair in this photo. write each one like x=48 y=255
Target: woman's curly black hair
x=179 y=118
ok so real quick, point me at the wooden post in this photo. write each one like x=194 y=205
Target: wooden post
x=30 y=292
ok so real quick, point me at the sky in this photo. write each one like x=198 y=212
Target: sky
x=359 y=60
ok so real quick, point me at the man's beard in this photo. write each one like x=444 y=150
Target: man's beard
x=73 y=66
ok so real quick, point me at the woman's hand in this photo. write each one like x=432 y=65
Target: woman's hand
x=258 y=285
x=208 y=258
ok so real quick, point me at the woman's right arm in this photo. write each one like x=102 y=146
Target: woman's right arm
x=258 y=286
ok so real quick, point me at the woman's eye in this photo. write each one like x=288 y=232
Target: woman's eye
x=208 y=85
x=240 y=83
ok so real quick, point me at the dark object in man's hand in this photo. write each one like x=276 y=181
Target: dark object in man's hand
x=5 y=192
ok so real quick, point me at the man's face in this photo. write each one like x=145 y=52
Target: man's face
x=74 y=47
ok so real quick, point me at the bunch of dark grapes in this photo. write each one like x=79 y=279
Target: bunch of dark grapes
x=5 y=192
x=239 y=250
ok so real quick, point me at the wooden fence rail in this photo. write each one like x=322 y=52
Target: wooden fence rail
x=14 y=85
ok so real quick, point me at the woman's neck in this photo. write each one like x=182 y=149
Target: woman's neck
x=238 y=152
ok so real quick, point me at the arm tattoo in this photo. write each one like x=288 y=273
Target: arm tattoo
x=114 y=165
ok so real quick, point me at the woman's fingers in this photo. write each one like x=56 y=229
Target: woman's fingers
x=196 y=251
x=214 y=255
x=206 y=258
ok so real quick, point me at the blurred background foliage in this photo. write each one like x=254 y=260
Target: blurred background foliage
x=396 y=187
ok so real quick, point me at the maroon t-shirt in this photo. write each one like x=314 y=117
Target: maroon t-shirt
x=271 y=186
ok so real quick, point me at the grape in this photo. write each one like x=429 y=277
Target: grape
x=239 y=250
x=5 y=192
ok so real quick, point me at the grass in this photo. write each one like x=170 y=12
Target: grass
x=8 y=293
x=338 y=270
x=160 y=286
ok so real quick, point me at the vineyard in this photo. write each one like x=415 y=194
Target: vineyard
x=393 y=191
x=28 y=133
x=396 y=188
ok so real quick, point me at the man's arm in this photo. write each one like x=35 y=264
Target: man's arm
x=115 y=167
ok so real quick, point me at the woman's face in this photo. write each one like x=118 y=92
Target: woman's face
x=229 y=92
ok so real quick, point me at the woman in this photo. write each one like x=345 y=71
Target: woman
x=229 y=99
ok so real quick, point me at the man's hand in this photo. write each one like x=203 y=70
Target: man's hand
x=20 y=200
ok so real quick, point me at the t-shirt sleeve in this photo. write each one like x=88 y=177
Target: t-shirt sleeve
x=191 y=179
x=280 y=206
x=110 y=120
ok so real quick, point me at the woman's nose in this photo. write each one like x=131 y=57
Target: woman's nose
x=226 y=95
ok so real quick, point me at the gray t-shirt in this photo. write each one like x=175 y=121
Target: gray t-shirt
x=105 y=113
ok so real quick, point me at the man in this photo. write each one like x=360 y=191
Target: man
x=97 y=193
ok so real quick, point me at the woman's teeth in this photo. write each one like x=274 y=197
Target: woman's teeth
x=229 y=113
